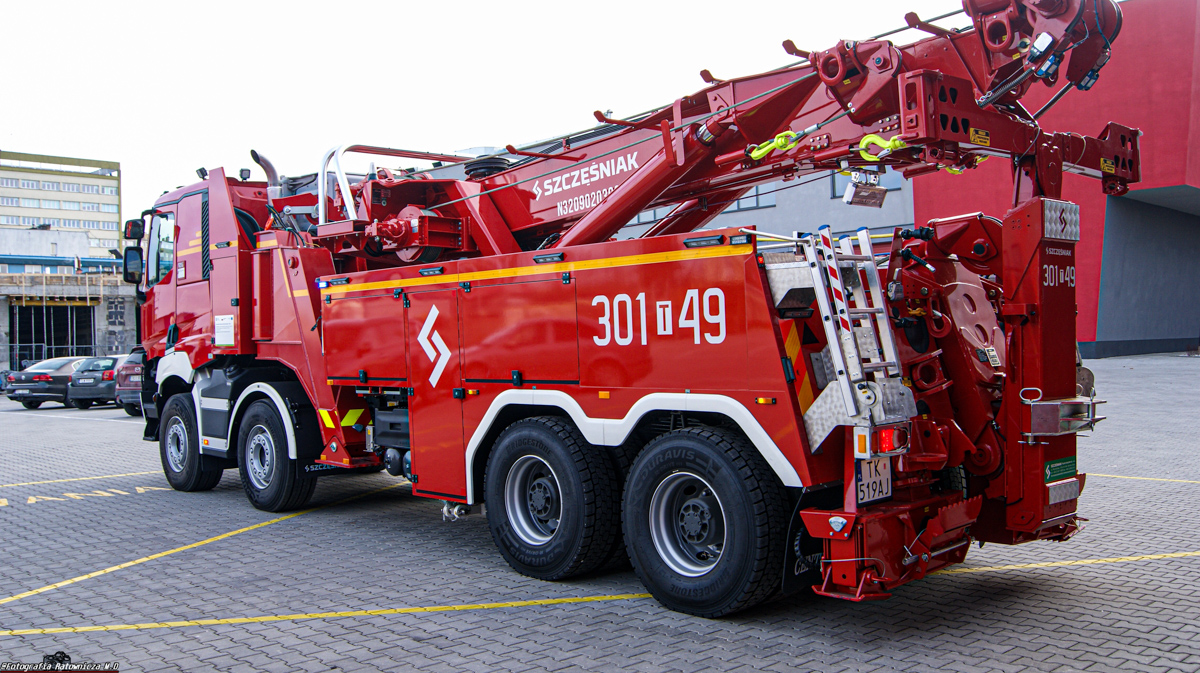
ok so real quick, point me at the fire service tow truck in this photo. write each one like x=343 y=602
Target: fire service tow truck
x=738 y=414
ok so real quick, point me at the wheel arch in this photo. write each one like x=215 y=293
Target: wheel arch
x=279 y=395
x=512 y=405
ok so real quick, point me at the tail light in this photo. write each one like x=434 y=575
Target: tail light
x=108 y=376
x=43 y=377
x=11 y=379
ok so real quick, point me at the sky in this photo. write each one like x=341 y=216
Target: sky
x=168 y=87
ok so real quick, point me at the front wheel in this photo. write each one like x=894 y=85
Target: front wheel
x=179 y=447
x=82 y=404
x=705 y=522
x=269 y=475
x=31 y=405
x=132 y=409
x=552 y=499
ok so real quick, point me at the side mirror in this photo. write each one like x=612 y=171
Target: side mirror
x=132 y=271
x=135 y=229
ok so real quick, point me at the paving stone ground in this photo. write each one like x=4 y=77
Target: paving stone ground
x=387 y=549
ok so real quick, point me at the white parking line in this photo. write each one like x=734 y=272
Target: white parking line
x=42 y=414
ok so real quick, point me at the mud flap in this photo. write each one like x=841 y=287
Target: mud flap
x=802 y=556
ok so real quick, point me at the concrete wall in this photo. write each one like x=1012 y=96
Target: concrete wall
x=1150 y=290
x=43 y=243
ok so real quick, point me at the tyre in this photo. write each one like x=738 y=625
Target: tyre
x=269 y=476
x=32 y=404
x=132 y=409
x=179 y=447
x=551 y=498
x=82 y=404
x=705 y=522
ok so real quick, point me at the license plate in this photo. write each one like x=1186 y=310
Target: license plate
x=135 y=378
x=874 y=479
x=87 y=380
x=19 y=391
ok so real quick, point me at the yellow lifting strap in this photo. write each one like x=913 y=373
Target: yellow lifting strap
x=885 y=145
x=784 y=141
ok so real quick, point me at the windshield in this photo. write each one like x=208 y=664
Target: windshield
x=98 y=365
x=48 y=365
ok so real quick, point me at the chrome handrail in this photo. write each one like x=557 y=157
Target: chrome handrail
x=336 y=153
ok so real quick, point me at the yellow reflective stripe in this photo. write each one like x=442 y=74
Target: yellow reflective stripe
x=325 y=417
x=189 y=251
x=543 y=269
x=351 y=417
x=300 y=293
x=267 y=243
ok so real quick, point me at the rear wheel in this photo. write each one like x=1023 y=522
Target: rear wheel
x=132 y=409
x=82 y=404
x=179 y=447
x=552 y=499
x=705 y=522
x=269 y=476
x=31 y=404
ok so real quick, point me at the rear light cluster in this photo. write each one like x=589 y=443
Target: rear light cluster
x=42 y=377
x=108 y=376
x=12 y=379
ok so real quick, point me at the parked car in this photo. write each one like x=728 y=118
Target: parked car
x=45 y=381
x=129 y=382
x=94 y=382
x=4 y=381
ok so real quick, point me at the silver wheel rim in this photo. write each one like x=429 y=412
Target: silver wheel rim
x=687 y=524
x=533 y=500
x=177 y=444
x=260 y=457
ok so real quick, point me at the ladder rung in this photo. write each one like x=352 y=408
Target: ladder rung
x=865 y=311
x=879 y=365
x=854 y=258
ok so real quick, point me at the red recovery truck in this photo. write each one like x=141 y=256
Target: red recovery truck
x=738 y=414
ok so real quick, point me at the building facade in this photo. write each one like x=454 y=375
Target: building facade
x=60 y=243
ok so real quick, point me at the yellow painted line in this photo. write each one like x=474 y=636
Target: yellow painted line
x=1119 y=476
x=542 y=269
x=201 y=543
x=1061 y=564
x=325 y=615
x=60 y=481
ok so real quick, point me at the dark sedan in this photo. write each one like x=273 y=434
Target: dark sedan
x=94 y=382
x=45 y=381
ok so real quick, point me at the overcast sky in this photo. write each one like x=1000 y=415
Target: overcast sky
x=165 y=88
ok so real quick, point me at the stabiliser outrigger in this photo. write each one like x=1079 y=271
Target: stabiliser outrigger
x=738 y=420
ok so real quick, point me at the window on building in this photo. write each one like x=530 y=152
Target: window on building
x=50 y=269
x=761 y=196
x=9 y=219
x=111 y=191
x=31 y=221
x=891 y=180
x=90 y=189
x=29 y=184
x=10 y=182
x=91 y=207
x=52 y=205
x=69 y=205
x=16 y=268
x=108 y=207
x=10 y=201
x=52 y=221
x=91 y=224
x=111 y=226
x=30 y=203
x=50 y=186
x=72 y=224
x=70 y=187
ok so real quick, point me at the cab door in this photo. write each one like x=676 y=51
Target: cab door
x=193 y=306
x=435 y=408
x=158 y=313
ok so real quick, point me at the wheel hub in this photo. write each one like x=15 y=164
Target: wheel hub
x=687 y=524
x=693 y=520
x=260 y=457
x=176 y=444
x=532 y=500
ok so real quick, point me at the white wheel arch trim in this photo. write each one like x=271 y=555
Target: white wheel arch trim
x=174 y=364
x=613 y=431
x=285 y=418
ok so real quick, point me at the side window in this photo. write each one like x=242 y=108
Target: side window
x=161 y=255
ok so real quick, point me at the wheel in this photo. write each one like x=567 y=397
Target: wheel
x=132 y=409
x=552 y=499
x=705 y=522
x=82 y=404
x=269 y=476
x=179 y=447
x=32 y=404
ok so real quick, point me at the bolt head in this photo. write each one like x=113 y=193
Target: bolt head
x=924 y=291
